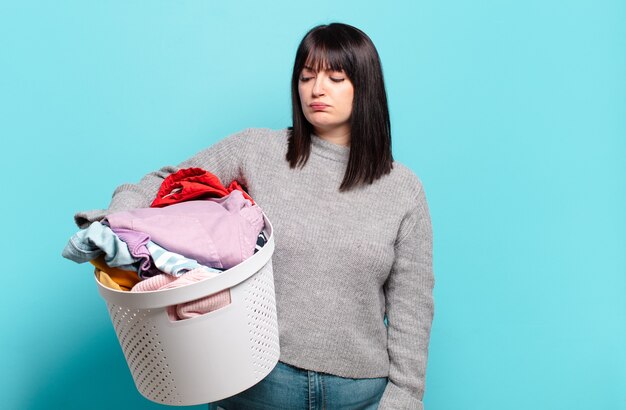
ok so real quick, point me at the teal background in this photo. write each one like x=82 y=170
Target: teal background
x=512 y=113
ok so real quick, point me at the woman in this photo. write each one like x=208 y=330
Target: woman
x=353 y=235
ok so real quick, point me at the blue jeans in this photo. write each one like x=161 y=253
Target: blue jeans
x=291 y=388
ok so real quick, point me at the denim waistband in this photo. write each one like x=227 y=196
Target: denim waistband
x=291 y=388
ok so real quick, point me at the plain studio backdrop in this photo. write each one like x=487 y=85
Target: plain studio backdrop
x=513 y=113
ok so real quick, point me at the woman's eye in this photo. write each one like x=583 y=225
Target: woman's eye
x=337 y=79
x=305 y=79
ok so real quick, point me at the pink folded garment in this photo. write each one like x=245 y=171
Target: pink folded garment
x=191 y=309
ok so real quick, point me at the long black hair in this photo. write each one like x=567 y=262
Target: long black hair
x=339 y=47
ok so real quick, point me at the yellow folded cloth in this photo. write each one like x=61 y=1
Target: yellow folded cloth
x=107 y=281
x=114 y=278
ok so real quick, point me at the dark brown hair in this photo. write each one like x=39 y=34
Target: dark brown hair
x=340 y=46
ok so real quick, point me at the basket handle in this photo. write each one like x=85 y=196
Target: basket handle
x=169 y=297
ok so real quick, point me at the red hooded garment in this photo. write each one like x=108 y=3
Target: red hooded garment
x=191 y=184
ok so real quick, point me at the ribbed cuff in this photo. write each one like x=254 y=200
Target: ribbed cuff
x=122 y=201
x=395 y=398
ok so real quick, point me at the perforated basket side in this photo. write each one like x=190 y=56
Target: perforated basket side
x=262 y=326
x=145 y=355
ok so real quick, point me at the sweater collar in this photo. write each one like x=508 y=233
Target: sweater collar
x=329 y=150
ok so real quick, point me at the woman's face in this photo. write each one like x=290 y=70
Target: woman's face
x=326 y=98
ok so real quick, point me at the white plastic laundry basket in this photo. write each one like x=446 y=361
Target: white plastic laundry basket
x=205 y=358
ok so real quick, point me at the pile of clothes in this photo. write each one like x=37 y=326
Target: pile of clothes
x=194 y=229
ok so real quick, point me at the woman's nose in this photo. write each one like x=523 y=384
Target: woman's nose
x=318 y=86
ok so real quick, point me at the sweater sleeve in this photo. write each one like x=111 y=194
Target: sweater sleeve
x=409 y=309
x=225 y=159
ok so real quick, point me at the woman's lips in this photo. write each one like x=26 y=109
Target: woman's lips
x=318 y=106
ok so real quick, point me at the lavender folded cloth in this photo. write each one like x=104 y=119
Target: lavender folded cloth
x=218 y=232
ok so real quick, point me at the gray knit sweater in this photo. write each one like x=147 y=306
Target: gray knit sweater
x=343 y=260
